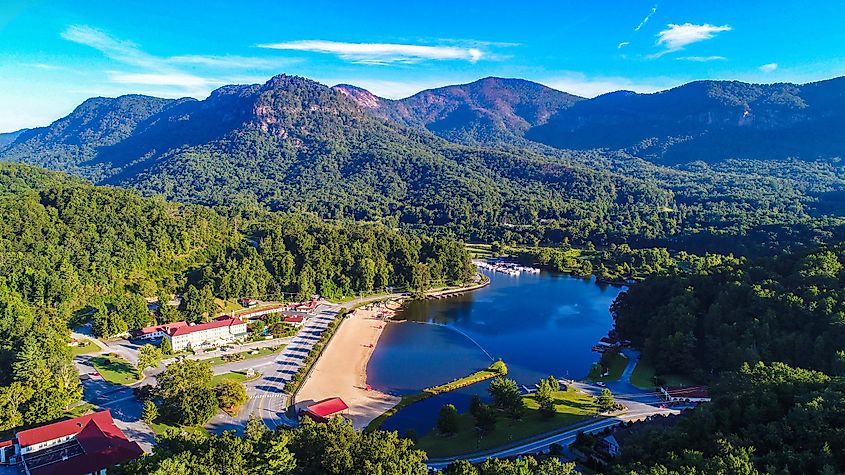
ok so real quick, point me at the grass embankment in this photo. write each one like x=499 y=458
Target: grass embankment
x=616 y=363
x=246 y=355
x=479 y=251
x=238 y=376
x=409 y=399
x=160 y=428
x=644 y=373
x=115 y=369
x=79 y=410
x=571 y=406
x=84 y=347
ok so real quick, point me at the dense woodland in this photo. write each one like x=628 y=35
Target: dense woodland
x=70 y=252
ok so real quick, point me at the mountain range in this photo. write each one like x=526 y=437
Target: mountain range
x=492 y=154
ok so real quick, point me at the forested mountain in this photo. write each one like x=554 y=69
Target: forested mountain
x=708 y=121
x=70 y=250
x=488 y=111
x=294 y=145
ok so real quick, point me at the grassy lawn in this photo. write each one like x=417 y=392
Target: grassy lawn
x=115 y=369
x=218 y=360
x=572 y=407
x=84 y=347
x=643 y=377
x=433 y=391
x=227 y=306
x=616 y=365
x=479 y=251
x=238 y=376
x=160 y=428
x=79 y=410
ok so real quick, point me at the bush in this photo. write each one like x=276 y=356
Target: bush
x=447 y=420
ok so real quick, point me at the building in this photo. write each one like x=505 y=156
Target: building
x=248 y=302
x=307 y=307
x=326 y=409
x=85 y=445
x=157 y=331
x=296 y=321
x=685 y=393
x=258 y=313
x=216 y=332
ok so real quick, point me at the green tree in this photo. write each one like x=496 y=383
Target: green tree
x=230 y=394
x=606 y=402
x=166 y=347
x=149 y=356
x=447 y=420
x=150 y=412
x=545 y=398
x=506 y=397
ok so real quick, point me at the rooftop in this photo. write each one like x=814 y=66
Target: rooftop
x=684 y=392
x=219 y=323
x=327 y=407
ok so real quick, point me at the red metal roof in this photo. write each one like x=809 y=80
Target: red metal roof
x=220 y=322
x=56 y=430
x=328 y=407
x=5 y=443
x=104 y=445
x=262 y=311
x=165 y=327
x=294 y=319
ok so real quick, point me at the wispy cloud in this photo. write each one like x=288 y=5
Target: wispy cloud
x=623 y=44
x=152 y=70
x=701 y=59
x=768 y=68
x=647 y=18
x=676 y=37
x=382 y=53
x=592 y=86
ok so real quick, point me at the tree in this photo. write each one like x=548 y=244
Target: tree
x=230 y=394
x=553 y=383
x=199 y=304
x=166 y=347
x=606 y=402
x=149 y=356
x=506 y=397
x=12 y=399
x=447 y=420
x=149 y=412
x=255 y=428
x=545 y=398
x=186 y=393
x=484 y=418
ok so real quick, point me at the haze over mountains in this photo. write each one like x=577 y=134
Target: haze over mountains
x=490 y=154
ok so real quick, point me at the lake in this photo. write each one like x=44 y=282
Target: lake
x=539 y=324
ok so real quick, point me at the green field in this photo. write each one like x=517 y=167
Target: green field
x=617 y=365
x=79 y=410
x=643 y=377
x=479 y=251
x=238 y=376
x=84 y=347
x=115 y=369
x=160 y=428
x=218 y=360
x=572 y=407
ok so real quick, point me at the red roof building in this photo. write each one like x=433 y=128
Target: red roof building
x=297 y=320
x=260 y=312
x=157 y=331
x=87 y=444
x=322 y=411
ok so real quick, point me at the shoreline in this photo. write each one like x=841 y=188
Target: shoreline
x=341 y=369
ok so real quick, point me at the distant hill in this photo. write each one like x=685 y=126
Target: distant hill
x=9 y=137
x=487 y=111
x=708 y=121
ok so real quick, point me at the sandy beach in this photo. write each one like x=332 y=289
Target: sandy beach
x=341 y=371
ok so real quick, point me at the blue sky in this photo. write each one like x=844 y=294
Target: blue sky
x=54 y=54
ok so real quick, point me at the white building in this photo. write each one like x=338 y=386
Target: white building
x=215 y=332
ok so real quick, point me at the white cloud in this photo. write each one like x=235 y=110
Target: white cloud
x=647 y=18
x=701 y=59
x=230 y=62
x=586 y=86
x=381 y=53
x=768 y=68
x=677 y=37
x=623 y=44
x=155 y=79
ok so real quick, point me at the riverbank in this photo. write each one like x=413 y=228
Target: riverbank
x=341 y=370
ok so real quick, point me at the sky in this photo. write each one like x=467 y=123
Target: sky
x=55 y=54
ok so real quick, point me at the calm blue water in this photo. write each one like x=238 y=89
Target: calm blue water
x=539 y=324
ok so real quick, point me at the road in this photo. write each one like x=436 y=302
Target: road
x=542 y=444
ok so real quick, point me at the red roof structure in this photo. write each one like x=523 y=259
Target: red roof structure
x=220 y=322
x=96 y=443
x=323 y=410
x=297 y=319
x=164 y=327
x=263 y=311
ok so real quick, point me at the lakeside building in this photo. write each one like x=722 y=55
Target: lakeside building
x=296 y=321
x=326 y=409
x=183 y=335
x=88 y=444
